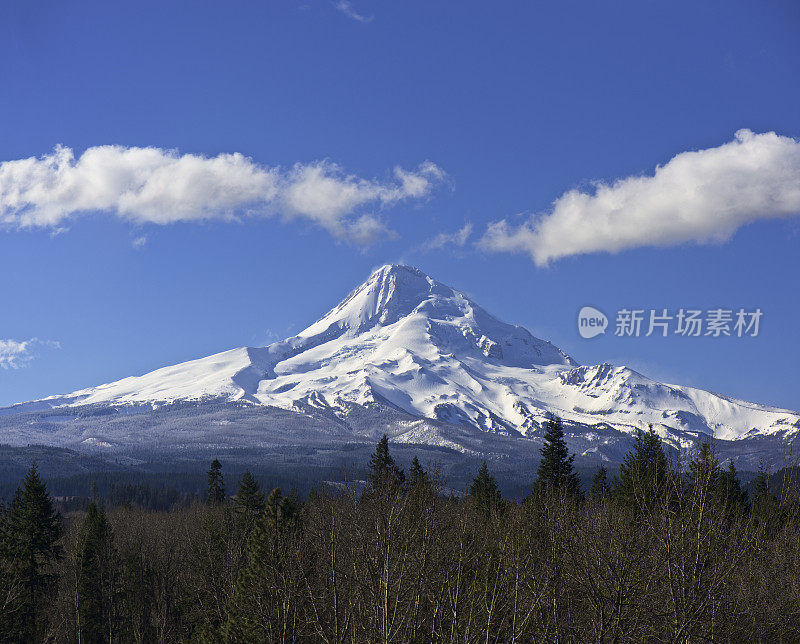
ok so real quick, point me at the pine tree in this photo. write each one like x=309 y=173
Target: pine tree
x=765 y=507
x=384 y=472
x=417 y=476
x=249 y=497
x=731 y=493
x=556 y=471
x=484 y=492
x=644 y=472
x=212 y=558
x=30 y=544
x=97 y=578
x=420 y=492
x=248 y=505
x=258 y=610
x=761 y=484
x=600 y=488
x=216 y=484
x=704 y=466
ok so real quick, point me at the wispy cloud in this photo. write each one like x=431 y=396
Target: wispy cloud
x=159 y=186
x=348 y=10
x=701 y=196
x=139 y=242
x=15 y=354
x=458 y=238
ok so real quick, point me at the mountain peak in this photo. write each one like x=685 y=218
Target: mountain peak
x=390 y=293
x=436 y=315
x=388 y=270
x=407 y=281
x=402 y=351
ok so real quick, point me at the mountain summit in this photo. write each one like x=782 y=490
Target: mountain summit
x=401 y=295
x=420 y=360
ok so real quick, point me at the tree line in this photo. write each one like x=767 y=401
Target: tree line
x=660 y=551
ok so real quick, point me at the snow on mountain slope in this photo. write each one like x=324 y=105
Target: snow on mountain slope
x=214 y=377
x=406 y=340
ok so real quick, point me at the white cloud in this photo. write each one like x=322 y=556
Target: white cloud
x=151 y=185
x=139 y=242
x=458 y=238
x=346 y=7
x=15 y=354
x=701 y=196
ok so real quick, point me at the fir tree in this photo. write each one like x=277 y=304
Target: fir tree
x=417 y=476
x=249 y=497
x=764 y=508
x=384 y=472
x=555 y=467
x=644 y=472
x=484 y=492
x=30 y=544
x=600 y=488
x=257 y=610
x=731 y=493
x=216 y=484
x=420 y=489
x=283 y=512
x=761 y=484
x=97 y=578
x=248 y=504
x=213 y=557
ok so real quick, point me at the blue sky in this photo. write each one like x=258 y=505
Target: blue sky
x=512 y=105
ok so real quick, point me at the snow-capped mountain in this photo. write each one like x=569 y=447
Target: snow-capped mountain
x=406 y=354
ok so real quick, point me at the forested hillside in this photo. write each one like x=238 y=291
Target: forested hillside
x=658 y=551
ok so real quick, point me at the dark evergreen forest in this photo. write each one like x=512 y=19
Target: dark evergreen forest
x=655 y=550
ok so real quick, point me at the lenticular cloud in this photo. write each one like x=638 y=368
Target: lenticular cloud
x=161 y=186
x=700 y=196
